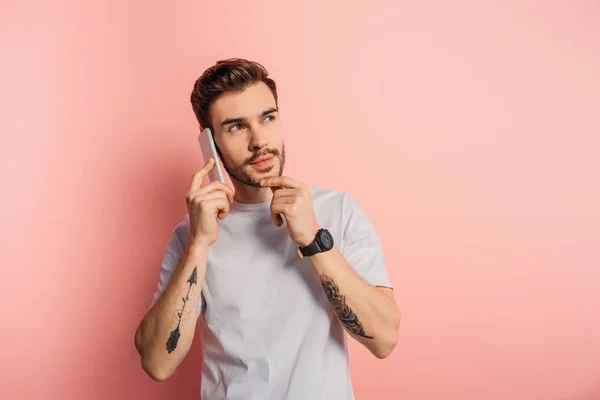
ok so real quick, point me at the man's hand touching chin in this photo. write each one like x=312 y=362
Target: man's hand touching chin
x=293 y=199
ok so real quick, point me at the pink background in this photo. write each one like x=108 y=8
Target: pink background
x=469 y=133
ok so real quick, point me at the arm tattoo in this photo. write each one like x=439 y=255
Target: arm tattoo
x=344 y=313
x=174 y=337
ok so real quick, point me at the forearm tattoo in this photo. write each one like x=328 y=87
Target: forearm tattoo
x=341 y=309
x=181 y=314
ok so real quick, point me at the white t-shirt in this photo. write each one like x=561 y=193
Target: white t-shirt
x=267 y=328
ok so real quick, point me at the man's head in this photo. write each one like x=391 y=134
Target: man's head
x=237 y=100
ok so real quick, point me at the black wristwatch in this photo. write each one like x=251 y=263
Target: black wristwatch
x=323 y=242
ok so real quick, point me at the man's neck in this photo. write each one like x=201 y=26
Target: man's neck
x=250 y=195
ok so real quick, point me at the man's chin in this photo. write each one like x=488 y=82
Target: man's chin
x=256 y=178
x=251 y=175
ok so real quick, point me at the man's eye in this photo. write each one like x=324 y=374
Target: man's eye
x=269 y=118
x=235 y=127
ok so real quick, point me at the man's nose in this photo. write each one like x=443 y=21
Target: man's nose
x=258 y=140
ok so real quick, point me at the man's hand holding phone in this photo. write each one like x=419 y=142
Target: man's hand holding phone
x=206 y=204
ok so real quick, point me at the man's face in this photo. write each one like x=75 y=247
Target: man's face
x=248 y=133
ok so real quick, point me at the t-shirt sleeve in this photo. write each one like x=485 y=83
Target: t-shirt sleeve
x=173 y=253
x=361 y=246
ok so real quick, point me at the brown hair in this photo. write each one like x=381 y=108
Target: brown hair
x=231 y=75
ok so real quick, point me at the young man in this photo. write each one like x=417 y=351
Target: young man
x=276 y=271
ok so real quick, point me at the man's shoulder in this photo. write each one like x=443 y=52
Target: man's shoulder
x=328 y=195
x=337 y=202
x=332 y=200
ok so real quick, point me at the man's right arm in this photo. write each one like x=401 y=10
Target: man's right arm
x=165 y=335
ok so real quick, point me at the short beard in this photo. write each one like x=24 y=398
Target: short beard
x=240 y=174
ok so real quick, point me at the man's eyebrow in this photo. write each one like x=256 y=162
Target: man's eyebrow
x=238 y=120
x=231 y=121
x=269 y=111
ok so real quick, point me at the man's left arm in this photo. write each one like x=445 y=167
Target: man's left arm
x=368 y=313
x=355 y=282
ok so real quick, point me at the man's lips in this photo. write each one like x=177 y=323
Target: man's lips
x=265 y=158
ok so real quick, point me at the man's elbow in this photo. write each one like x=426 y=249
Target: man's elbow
x=157 y=374
x=157 y=368
x=153 y=367
x=387 y=345
x=385 y=349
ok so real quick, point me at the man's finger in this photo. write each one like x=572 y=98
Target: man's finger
x=279 y=192
x=215 y=186
x=278 y=202
x=278 y=207
x=215 y=194
x=282 y=181
x=198 y=176
x=276 y=217
x=220 y=206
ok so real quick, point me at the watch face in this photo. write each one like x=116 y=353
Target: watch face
x=326 y=239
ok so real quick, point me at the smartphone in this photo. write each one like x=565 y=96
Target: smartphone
x=208 y=148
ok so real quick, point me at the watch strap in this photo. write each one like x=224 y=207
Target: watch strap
x=309 y=250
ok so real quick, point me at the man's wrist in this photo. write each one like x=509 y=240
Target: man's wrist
x=198 y=248
x=309 y=238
